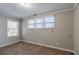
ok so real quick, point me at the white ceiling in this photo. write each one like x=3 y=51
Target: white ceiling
x=14 y=9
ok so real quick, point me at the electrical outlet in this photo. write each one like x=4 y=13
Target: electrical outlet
x=56 y=43
x=38 y=41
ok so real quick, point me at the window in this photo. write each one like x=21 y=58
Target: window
x=39 y=20
x=31 y=24
x=39 y=23
x=42 y=22
x=12 y=28
x=49 y=22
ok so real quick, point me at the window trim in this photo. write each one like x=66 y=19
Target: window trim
x=43 y=17
x=12 y=28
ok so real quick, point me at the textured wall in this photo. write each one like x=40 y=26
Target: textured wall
x=76 y=29
x=61 y=37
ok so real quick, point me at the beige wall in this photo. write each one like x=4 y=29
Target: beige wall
x=76 y=29
x=61 y=37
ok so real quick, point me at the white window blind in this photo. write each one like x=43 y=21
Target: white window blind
x=12 y=28
x=41 y=22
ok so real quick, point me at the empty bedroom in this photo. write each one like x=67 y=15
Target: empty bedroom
x=39 y=28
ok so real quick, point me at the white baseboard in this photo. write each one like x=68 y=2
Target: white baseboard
x=51 y=46
x=41 y=45
x=10 y=43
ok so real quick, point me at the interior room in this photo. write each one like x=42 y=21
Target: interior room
x=39 y=28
